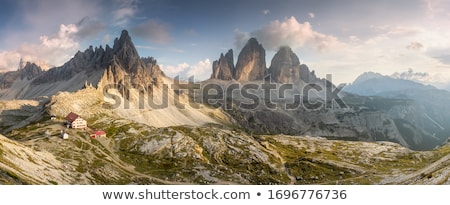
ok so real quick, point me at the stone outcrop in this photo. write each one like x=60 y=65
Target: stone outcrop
x=7 y=79
x=307 y=76
x=285 y=66
x=26 y=71
x=128 y=67
x=223 y=69
x=30 y=71
x=251 y=63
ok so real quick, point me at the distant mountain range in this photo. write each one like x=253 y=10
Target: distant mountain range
x=370 y=83
x=427 y=110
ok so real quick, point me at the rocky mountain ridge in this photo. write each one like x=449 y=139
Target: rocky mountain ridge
x=27 y=71
x=285 y=66
x=370 y=83
x=223 y=68
x=251 y=62
x=204 y=143
x=95 y=66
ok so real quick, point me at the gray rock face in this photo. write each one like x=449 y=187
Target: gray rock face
x=223 y=69
x=251 y=63
x=30 y=71
x=97 y=66
x=120 y=61
x=90 y=60
x=128 y=67
x=26 y=71
x=7 y=79
x=306 y=75
x=285 y=66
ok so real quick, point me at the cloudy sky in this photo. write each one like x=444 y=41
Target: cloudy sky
x=410 y=38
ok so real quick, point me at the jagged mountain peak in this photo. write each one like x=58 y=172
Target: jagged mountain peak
x=251 y=63
x=126 y=53
x=123 y=40
x=253 y=41
x=30 y=71
x=42 y=64
x=285 y=66
x=223 y=68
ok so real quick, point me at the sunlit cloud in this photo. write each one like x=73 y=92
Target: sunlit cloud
x=53 y=49
x=289 y=32
x=200 y=70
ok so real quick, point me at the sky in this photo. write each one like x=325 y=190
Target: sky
x=403 y=38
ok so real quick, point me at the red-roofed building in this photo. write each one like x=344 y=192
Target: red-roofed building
x=75 y=121
x=98 y=133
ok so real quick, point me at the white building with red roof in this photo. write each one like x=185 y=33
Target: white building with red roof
x=98 y=133
x=75 y=121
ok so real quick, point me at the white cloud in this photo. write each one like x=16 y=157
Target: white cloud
x=265 y=11
x=437 y=79
x=353 y=38
x=384 y=49
x=289 y=32
x=311 y=15
x=9 y=60
x=201 y=70
x=411 y=75
x=173 y=71
x=55 y=49
x=404 y=31
x=49 y=31
x=153 y=31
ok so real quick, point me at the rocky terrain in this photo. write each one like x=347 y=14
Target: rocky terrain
x=159 y=134
x=286 y=68
x=136 y=153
